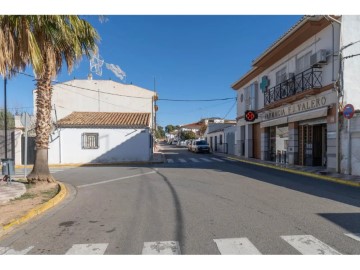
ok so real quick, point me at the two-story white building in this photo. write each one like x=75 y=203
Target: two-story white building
x=298 y=87
x=99 y=100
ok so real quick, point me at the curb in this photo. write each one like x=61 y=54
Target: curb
x=322 y=177
x=76 y=165
x=37 y=210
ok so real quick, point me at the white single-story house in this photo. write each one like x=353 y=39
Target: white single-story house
x=215 y=136
x=101 y=137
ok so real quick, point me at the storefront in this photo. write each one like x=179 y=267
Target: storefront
x=297 y=133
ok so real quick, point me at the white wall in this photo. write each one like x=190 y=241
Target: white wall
x=322 y=40
x=350 y=26
x=69 y=97
x=115 y=145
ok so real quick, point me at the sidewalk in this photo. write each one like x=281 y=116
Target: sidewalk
x=10 y=191
x=316 y=172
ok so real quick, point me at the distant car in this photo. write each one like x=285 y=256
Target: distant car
x=174 y=142
x=198 y=146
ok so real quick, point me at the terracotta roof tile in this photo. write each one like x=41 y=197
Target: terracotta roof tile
x=105 y=119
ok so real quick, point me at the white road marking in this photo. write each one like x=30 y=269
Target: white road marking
x=87 y=249
x=309 y=245
x=220 y=160
x=161 y=248
x=117 y=179
x=355 y=236
x=169 y=160
x=8 y=251
x=194 y=160
x=236 y=246
x=206 y=159
x=182 y=160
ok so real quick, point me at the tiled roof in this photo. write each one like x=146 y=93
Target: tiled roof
x=105 y=119
x=192 y=125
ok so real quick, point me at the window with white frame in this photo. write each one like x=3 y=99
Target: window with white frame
x=281 y=75
x=303 y=62
x=90 y=140
x=251 y=96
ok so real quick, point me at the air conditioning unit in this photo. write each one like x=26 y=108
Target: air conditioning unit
x=318 y=58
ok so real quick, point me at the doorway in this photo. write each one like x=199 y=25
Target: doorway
x=312 y=145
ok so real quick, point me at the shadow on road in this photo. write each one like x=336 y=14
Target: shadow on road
x=179 y=230
x=348 y=221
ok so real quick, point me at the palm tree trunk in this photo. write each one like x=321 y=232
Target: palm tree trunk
x=40 y=171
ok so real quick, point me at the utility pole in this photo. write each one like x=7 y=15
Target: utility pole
x=5 y=119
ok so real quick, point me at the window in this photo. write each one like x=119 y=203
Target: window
x=303 y=62
x=90 y=140
x=221 y=138
x=250 y=96
x=281 y=75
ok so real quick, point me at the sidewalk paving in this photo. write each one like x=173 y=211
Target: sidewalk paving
x=317 y=172
x=12 y=190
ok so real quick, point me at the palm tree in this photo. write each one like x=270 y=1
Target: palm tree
x=45 y=42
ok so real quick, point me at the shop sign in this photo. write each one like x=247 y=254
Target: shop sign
x=304 y=106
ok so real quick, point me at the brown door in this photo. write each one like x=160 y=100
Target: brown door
x=317 y=145
x=257 y=141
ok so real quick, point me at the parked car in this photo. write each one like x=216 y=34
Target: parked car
x=189 y=143
x=198 y=146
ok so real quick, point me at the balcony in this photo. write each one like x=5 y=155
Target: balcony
x=309 y=79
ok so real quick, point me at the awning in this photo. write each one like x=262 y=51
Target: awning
x=274 y=122
x=308 y=115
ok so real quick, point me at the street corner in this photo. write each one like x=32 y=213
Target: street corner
x=22 y=209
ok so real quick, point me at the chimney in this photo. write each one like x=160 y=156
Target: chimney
x=90 y=76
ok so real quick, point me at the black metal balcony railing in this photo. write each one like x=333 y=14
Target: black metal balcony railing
x=309 y=79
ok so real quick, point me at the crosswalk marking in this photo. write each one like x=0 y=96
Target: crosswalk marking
x=9 y=251
x=217 y=159
x=236 y=246
x=161 y=248
x=87 y=249
x=196 y=160
x=206 y=159
x=355 y=236
x=309 y=245
x=305 y=244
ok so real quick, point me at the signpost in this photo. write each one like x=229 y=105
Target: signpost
x=25 y=121
x=348 y=113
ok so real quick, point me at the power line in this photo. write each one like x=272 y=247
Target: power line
x=196 y=100
x=160 y=99
x=230 y=110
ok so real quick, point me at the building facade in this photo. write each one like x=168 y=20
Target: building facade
x=298 y=88
x=101 y=137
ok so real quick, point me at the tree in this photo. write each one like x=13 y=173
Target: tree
x=10 y=119
x=169 y=128
x=45 y=43
x=187 y=135
x=159 y=133
x=202 y=129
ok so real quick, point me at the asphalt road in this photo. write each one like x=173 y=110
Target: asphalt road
x=193 y=204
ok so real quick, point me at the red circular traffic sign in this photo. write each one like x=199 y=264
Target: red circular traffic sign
x=348 y=111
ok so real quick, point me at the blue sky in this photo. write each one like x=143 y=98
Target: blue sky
x=190 y=57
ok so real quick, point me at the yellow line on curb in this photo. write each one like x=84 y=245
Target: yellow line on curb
x=37 y=210
x=322 y=177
